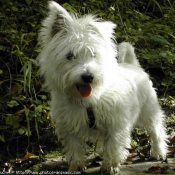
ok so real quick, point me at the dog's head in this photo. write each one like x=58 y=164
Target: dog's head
x=78 y=54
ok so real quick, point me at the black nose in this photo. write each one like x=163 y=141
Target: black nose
x=87 y=77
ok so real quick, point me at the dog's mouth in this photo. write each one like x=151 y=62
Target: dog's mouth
x=84 y=90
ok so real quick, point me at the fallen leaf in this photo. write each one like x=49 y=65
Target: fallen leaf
x=27 y=156
x=131 y=156
x=172 y=139
x=172 y=151
x=157 y=169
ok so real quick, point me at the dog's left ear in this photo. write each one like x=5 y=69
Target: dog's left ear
x=54 y=23
x=106 y=29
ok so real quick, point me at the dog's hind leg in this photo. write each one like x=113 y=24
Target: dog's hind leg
x=158 y=136
x=152 y=119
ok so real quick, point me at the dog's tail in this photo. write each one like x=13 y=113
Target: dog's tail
x=127 y=54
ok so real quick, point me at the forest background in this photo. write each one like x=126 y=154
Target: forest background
x=24 y=101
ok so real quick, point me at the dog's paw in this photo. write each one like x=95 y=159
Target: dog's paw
x=82 y=168
x=161 y=155
x=109 y=170
x=77 y=167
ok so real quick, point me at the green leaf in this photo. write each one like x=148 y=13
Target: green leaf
x=13 y=120
x=21 y=130
x=44 y=97
x=14 y=9
x=29 y=2
x=157 y=38
x=166 y=81
x=39 y=108
x=12 y=103
x=2 y=138
x=16 y=125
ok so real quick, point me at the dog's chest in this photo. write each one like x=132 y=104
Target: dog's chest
x=91 y=118
x=99 y=118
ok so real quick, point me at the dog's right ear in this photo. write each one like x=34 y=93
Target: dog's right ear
x=53 y=23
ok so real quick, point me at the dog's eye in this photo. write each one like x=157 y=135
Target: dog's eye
x=70 y=56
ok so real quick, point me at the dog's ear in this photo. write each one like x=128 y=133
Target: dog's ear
x=54 y=22
x=59 y=16
x=106 y=29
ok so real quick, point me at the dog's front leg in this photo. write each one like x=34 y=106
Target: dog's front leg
x=74 y=152
x=115 y=150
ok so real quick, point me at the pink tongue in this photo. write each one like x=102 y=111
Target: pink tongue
x=85 y=90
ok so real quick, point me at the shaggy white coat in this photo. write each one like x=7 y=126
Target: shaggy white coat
x=122 y=94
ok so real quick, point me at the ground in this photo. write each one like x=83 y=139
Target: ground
x=129 y=168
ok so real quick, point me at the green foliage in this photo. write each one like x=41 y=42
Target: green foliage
x=24 y=102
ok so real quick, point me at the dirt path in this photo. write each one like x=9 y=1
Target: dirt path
x=129 y=168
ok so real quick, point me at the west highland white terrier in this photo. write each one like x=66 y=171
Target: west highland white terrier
x=94 y=96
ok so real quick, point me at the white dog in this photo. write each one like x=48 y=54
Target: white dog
x=93 y=96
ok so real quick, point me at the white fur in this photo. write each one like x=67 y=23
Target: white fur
x=122 y=94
